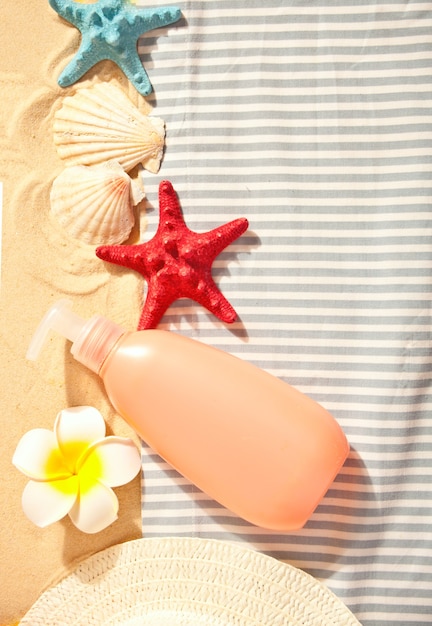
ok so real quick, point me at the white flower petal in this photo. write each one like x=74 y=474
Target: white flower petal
x=113 y=461
x=48 y=502
x=95 y=508
x=76 y=428
x=37 y=456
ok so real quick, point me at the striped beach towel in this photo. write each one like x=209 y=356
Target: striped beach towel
x=314 y=120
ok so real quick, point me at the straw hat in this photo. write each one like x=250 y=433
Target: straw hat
x=187 y=582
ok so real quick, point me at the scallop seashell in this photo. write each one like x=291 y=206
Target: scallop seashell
x=100 y=123
x=95 y=203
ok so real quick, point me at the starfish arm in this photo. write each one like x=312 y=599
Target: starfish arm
x=155 y=305
x=149 y=19
x=209 y=296
x=129 y=256
x=131 y=65
x=68 y=9
x=84 y=60
x=216 y=240
x=170 y=212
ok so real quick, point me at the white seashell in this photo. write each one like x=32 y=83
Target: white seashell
x=100 y=123
x=95 y=203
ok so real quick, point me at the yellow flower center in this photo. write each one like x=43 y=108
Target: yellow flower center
x=71 y=453
x=91 y=470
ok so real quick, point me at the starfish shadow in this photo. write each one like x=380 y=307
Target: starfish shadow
x=148 y=43
x=250 y=240
x=189 y=312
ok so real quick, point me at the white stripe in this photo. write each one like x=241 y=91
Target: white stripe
x=366 y=222
x=349 y=194
x=360 y=232
x=245 y=106
x=303 y=29
x=377 y=54
x=294 y=123
x=360 y=299
x=211 y=65
x=336 y=358
x=378 y=11
x=305 y=342
x=247 y=88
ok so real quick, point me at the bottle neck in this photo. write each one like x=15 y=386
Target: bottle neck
x=96 y=340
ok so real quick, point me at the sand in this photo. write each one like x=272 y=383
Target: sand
x=41 y=264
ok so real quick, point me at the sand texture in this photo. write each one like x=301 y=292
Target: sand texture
x=41 y=264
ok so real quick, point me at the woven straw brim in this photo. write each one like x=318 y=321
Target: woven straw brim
x=187 y=582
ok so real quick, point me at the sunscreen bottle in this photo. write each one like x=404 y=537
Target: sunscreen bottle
x=247 y=439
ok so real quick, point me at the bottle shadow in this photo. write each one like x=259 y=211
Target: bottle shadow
x=329 y=534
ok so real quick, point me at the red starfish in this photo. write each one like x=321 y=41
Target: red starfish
x=177 y=262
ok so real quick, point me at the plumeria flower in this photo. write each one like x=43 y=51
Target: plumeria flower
x=73 y=469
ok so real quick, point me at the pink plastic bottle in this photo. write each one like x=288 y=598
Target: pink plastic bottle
x=250 y=441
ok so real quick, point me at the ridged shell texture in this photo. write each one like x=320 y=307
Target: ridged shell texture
x=95 y=203
x=100 y=123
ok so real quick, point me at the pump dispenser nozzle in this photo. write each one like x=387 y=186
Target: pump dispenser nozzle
x=90 y=338
x=60 y=318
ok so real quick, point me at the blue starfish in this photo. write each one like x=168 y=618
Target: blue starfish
x=110 y=30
